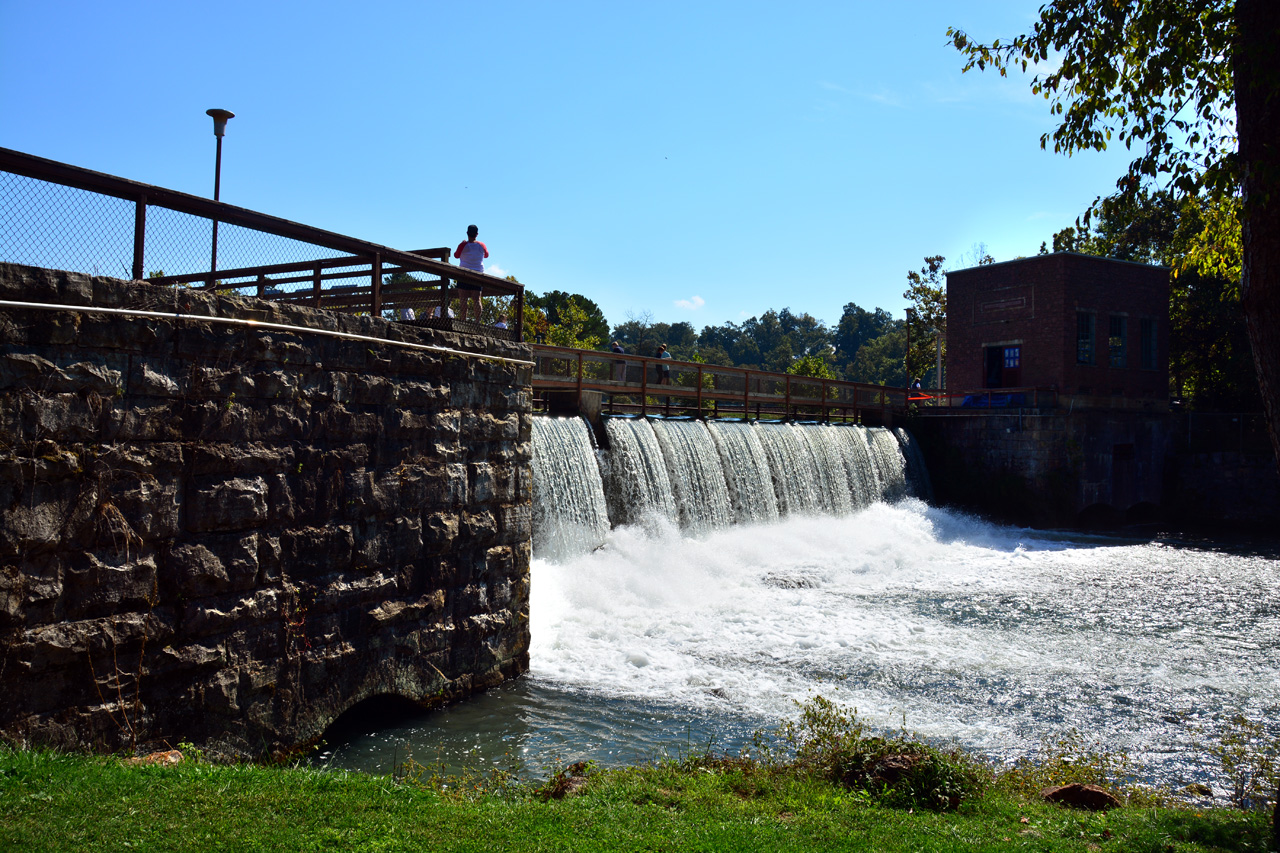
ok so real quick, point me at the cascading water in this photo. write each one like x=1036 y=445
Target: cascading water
x=917 y=473
x=569 y=513
x=833 y=480
x=697 y=480
x=746 y=471
x=637 y=485
x=887 y=460
x=864 y=489
x=794 y=470
x=704 y=476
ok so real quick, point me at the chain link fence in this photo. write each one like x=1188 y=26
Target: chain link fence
x=58 y=216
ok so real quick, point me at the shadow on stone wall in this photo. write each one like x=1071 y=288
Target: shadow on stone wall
x=231 y=536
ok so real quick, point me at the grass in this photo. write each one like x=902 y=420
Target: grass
x=56 y=801
x=823 y=782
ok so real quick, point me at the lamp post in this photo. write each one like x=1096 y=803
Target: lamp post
x=219 y=130
x=907 y=360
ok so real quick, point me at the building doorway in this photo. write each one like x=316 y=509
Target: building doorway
x=1004 y=366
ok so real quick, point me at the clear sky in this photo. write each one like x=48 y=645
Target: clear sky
x=702 y=161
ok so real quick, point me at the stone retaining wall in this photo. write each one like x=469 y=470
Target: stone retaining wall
x=229 y=536
x=1048 y=467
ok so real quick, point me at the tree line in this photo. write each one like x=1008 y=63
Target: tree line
x=865 y=345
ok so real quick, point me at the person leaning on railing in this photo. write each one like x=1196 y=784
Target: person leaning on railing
x=471 y=254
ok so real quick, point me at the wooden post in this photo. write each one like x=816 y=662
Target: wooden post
x=317 y=286
x=644 y=388
x=579 y=394
x=746 y=395
x=520 y=317
x=376 y=274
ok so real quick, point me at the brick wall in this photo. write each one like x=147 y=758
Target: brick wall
x=1033 y=303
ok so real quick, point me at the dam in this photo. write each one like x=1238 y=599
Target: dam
x=674 y=631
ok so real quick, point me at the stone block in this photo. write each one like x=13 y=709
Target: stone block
x=216 y=615
x=31 y=593
x=36 y=284
x=72 y=417
x=157 y=377
x=108 y=582
x=439 y=530
x=144 y=420
x=214 y=565
x=150 y=508
x=312 y=551
x=227 y=503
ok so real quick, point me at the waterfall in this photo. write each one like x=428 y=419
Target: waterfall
x=917 y=473
x=704 y=476
x=794 y=470
x=746 y=471
x=569 y=515
x=697 y=479
x=863 y=488
x=638 y=485
x=886 y=459
x=833 y=481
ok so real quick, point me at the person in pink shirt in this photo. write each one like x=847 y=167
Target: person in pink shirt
x=471 y=254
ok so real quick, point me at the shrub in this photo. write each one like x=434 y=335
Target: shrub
x=831 y=742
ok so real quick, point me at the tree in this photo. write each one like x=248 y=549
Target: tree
x=1195 y=86
x=814 y=364
x=857 y=326
x=573 y=327
x=639 y=334
x=882 y=361
x=1210 y=364
x=587 y=313
x=927 y=317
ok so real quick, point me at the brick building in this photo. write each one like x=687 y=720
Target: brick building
x=1094 y=329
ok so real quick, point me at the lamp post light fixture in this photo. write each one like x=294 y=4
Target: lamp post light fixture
x=219 y=130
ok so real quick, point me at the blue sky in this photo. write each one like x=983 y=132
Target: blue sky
x=702 y=161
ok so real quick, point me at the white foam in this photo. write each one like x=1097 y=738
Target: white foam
x=973 y=631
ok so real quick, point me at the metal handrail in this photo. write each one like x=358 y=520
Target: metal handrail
x=1033 y=397
x=379 y=259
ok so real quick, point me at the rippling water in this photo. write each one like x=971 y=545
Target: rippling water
x=988 y=636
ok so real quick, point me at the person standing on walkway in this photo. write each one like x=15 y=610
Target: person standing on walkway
x=619 y=366
x=471 y=254
x=664 y=370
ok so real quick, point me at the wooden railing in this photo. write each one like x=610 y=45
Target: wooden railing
x=643 y=385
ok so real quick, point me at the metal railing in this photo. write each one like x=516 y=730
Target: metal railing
x=643 y=385
x=63 y=217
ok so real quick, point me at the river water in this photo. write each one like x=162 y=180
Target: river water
x=668 y=638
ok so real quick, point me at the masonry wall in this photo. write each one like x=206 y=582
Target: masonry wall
x=1049 y=467
x=230 y=536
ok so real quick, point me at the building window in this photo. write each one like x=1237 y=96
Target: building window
x=1084 y=337
x=1147 y=342
x=1012 y=357
x=1117 y=341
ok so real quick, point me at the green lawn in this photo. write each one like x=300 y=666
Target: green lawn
x=53 y=801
